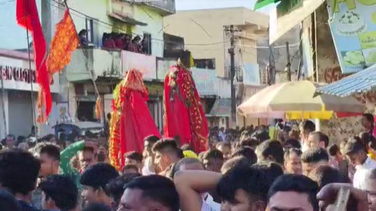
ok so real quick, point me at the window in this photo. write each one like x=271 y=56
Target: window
x=205 y=63
x=146 y=44
x=90 y=29
x=86 y=111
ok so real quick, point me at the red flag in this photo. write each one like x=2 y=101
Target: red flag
x=27 y=16
x=64 y=42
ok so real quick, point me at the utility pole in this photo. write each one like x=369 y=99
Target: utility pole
x=231 y=51
x=288 y=65
x=271 y=67
x=5 y=128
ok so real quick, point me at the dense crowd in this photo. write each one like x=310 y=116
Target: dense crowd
x=243 y=170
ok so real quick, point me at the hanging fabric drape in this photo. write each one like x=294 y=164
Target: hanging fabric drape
x=27 y=16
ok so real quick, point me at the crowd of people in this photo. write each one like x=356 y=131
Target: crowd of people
x=120 y=41
x=243 y=170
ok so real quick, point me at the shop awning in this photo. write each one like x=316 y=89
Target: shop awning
x=126 y=19
x=221 y=108
x=362 y=81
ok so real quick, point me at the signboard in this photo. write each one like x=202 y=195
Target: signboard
x=145 y=63
x=64 y=116
x=307 y=54
x=205 y=80
x=251 y=74
x=221 y=107
x=16 y=75
x=155 y=89
x=353 y=28
x=340 y=129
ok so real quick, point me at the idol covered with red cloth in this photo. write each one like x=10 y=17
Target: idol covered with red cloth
x=184 y=116
x=131 y=120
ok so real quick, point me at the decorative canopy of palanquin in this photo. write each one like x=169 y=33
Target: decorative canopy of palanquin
x=296 y=100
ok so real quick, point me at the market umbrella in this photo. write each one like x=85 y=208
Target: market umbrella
x=295 y=100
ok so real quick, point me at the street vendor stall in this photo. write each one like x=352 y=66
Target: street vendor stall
x=295 y=100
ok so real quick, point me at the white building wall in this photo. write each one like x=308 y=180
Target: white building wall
x=92 y=8
x=154 y=27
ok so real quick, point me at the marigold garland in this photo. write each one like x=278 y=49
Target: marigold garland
x=99 y=108
x=114 y=138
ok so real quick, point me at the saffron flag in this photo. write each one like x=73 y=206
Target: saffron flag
x=63 y=43
x=27 y=17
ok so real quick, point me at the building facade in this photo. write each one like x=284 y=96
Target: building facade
x=19 y=93
x=19 y=90
x=97 y=69
x=205 y=36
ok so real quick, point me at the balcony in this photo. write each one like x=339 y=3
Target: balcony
x=100 y=63
x=108 y=64
x=165 y=7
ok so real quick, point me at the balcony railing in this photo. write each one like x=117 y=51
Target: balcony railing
x=167 y=7
x=108 y=63
x=95 y=61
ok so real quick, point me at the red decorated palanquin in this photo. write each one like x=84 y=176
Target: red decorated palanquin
x=184 y=117
x=131 y=120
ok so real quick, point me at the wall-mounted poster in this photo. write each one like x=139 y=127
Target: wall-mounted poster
x=64 y=116
x=353 y=28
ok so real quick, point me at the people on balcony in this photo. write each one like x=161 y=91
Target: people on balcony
x=120 y=41
x=108 y=42
x=84 y=41
x=136 y=45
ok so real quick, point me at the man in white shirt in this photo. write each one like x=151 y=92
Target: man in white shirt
x=222 y=134
x=306 y=127
x=356 y=153
x=149 y=166
x=195 y=164
x=319 y=139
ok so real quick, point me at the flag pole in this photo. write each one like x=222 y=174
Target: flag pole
x=31 y=77
x=87 y=57
x=3 y=104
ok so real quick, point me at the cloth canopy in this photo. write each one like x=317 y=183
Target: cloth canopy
x=295 y=100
